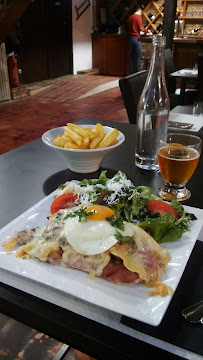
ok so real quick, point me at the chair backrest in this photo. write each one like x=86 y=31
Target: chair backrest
x=200 y=77
x=131 y=87
x=170 y=68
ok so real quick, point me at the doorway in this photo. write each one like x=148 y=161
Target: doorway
x=46 y=40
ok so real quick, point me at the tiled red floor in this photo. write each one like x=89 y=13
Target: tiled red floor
x=19 y=342
x=26 y=119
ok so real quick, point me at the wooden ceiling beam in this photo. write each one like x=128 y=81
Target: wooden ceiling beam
x=14 y=12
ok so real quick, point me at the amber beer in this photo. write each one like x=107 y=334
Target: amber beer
x=177 y=164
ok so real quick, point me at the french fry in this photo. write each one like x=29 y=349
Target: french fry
x=95 y=142
x=114 y=142
x=93 y=134
x=99 y=128
x=74 y=137
x=71 y=145
x=84 y=146
x=60 y=140
x=77 y=129
x=108 y=139
x=86 y=140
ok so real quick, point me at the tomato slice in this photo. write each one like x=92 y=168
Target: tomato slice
x=63 y=201
x=161 y=207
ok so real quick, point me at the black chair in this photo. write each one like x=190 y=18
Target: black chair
x=131 y=87
x=175 y=99
x=170 y=68
x=200 y=78
x=171 y=81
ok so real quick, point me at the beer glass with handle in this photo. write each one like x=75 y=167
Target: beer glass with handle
x=178 y=156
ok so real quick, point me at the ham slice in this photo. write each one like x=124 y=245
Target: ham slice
x=119 y=274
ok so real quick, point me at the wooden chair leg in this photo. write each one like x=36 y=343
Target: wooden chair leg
x=146 y=61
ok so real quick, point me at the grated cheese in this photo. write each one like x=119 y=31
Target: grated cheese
x=85 y=191
x=119 y=189
x=120 y=186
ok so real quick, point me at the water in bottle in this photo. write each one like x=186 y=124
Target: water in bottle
x=153 y=110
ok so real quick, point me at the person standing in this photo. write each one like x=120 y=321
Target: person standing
x=134 y=25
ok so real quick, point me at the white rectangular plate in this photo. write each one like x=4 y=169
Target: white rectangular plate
x=129 y=299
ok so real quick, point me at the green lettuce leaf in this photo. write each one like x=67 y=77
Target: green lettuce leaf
x=101 y=180
x=132 y=208
x=164 y=229
x=178 y=207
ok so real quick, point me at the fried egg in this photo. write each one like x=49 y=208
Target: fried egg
x=94 y=235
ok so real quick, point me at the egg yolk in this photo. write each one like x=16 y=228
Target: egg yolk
x=100 y=212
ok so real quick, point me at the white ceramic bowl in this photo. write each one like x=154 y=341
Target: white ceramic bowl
x=81 y=160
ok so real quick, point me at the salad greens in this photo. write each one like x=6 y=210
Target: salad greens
x=123 y=238
x=129 y=204
x=81 y=213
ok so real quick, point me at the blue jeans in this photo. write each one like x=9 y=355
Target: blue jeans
x=135 y=51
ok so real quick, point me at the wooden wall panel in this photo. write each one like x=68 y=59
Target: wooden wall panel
x=99 y=53
x=111 y=54
x=186 y=54
x=46 y=40
x=117 y=56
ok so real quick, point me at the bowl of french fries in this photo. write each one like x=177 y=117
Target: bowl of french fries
x=83 y=146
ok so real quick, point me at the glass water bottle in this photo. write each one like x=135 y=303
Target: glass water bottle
x=153 y=109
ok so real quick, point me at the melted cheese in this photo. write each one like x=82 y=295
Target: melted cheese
x=38 y=248
x=160 y=289
x=146 y=257
x=10 y=245
x=93 y=264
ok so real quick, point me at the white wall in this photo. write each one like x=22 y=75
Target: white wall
x=82 y=39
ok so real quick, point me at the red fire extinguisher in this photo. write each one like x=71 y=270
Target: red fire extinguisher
x=13 y=70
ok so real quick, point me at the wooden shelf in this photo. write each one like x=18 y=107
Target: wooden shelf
x=122 y=10
x=152 y=24
x=191 y=17
x=184 y=17
x=191 y=0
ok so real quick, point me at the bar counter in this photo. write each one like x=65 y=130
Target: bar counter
x=186 y=50
x=111 y=52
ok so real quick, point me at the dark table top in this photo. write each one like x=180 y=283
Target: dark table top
x=28 y=174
